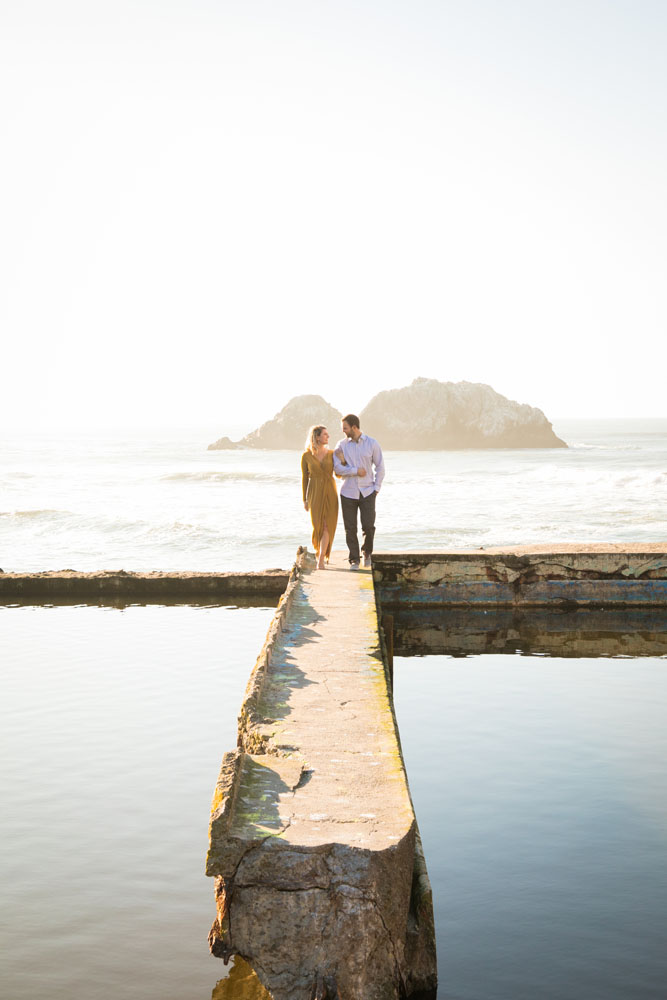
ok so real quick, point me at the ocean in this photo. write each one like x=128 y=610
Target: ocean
x=538 y=782
x=136 y=501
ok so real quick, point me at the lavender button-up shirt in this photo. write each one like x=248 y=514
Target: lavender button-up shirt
x=365 y=453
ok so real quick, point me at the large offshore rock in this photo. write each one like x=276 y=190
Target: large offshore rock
x=429 y=414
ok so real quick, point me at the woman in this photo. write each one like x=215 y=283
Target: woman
x=319 y=491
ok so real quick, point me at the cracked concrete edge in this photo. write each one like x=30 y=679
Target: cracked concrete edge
x=222 y=805
x=510 y=566
x=249 y=741
x=438 y=567
x=336 y=890
x=582 y=576
x=250 y=737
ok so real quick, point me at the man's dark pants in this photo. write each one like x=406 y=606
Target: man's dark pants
x=366 y=508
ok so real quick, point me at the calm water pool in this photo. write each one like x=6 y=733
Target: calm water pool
x=113 y=726
x=540 y=786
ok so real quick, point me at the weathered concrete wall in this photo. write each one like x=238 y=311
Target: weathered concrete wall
x=69 y=587
x=568 y=575
x=321 y=884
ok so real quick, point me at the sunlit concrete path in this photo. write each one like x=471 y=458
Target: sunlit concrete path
x=321 y=883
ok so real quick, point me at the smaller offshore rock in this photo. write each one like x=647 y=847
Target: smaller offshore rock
x=289 y=427
x=224 y=444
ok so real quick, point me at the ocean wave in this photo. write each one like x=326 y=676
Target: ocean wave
x=35 y=515
x=219 y=476
x=584 y=446
x=585 y=476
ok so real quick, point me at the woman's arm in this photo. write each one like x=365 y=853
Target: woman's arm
x=305 y=476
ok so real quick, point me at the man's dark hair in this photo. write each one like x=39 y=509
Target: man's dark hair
x=352 y=420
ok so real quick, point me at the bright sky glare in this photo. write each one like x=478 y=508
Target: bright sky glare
x=210 y=207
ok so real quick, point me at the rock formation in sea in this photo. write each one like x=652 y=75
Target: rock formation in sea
x=223 y=444
x=288 y=428
x=427 y=415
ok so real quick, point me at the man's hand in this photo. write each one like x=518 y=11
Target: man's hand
x=361 y=473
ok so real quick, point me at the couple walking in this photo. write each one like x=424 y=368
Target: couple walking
x=357 y=460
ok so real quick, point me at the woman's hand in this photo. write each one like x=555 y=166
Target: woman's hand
x=305 y=505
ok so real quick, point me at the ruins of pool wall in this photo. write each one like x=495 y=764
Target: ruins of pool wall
x=565 y=577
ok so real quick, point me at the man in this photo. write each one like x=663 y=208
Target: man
x=362 y=472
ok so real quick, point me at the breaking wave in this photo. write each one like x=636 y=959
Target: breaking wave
x=47 y=514
x=229 y=476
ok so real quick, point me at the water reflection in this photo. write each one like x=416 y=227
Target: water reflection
x=532 y=631
x=241 y=984
x=538 y=783
x=113 y=725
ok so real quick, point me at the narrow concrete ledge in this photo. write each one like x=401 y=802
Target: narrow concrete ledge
x=114 y=586
x=569 y=575
x=321 y=884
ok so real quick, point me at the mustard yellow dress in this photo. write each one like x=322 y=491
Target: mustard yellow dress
x=319 y=489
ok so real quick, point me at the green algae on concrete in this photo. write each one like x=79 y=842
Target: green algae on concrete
x=320 y=880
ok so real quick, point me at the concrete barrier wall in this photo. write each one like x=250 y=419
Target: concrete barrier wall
x=118 y=586
x=568 y=576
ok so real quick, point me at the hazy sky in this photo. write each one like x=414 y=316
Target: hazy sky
x=209 y=207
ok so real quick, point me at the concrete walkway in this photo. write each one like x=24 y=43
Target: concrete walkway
x=313 y=835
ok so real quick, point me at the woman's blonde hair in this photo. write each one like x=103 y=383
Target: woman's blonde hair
x=313 y=435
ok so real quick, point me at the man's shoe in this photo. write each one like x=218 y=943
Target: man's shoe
x=354 y=565
x=367 y=562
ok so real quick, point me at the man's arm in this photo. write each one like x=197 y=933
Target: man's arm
x=341 y=468
x=378 y=462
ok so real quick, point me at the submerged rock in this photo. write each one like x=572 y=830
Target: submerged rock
x=431 y=415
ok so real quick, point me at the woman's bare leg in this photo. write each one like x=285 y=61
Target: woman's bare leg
x=324 y=545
